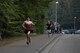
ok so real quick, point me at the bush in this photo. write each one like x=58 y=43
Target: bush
x=8 y=34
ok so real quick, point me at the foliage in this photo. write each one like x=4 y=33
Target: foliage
x=66 y=11
x=13 y=12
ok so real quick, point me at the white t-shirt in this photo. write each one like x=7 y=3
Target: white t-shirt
x=28 y=22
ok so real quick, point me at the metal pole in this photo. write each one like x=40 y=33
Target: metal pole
x=56 y=15
x=74 y=22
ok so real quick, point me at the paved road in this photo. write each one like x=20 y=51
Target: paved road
x=21 y=47
x=64 y=44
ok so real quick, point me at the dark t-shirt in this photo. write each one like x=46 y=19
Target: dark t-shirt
x=28 y=24
x=48 y=26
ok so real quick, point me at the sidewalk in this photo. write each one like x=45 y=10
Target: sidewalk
x=38 y=43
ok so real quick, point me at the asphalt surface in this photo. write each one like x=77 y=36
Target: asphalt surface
x=67 y=43
x=38 y=42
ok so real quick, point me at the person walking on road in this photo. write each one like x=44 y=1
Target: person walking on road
x=27 y=25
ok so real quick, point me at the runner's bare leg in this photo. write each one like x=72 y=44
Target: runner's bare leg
x=29 y=38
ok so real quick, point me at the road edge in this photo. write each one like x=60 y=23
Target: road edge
x=45 y=45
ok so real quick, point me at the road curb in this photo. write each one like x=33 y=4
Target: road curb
x=45 y=45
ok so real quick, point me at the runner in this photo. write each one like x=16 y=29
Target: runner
x=49 y=25
x=27 y=25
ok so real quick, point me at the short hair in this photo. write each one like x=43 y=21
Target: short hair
x=27 y=17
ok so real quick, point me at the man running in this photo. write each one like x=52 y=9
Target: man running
x=49 y=25
x=27 y=25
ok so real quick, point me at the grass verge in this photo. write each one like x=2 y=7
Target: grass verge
x=14 y=39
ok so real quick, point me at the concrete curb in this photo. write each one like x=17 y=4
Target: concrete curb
x=45 y=45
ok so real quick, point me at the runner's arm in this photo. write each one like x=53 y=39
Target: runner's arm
x=33 y=23
x=23 y=26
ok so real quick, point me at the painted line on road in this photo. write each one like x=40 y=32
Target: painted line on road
x=44 y=46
